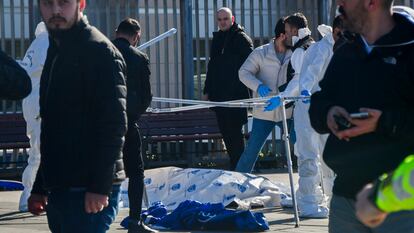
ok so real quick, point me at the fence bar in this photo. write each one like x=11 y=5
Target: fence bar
x=22 y=29
x=206 y=34
x=260 y=15
x=252 y=20
x=242 y=11
x=13 y=29
x=157 y=47
x=186 y=7
x=166 y=52
x=270 y=21
x=175 y=21
x=197 y=51
x=147 y=26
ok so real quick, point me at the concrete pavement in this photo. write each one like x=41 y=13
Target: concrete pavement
x=280 y=220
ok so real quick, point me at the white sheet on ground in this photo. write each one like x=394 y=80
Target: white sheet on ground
x=172 y=185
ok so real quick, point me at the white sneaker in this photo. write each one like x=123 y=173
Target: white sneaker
x=287 y=202
x=320 y=212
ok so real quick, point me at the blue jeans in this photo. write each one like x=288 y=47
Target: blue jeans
x=260 y=130
x=66 y=212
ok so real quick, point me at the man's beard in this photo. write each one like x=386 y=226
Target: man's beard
x=59 y=33
x=352 y=22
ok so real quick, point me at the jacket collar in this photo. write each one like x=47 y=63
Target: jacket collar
x=123 y=41
x=71 y=35
x=233 y=29
x=271 y=53
x=402 y=33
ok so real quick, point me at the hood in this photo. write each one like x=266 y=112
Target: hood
x=324 y=30
x=302 y=33
x=402 y=34
x=40 y=29
x=409 y=12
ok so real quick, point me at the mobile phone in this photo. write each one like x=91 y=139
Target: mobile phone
x=342 y=122
x=359 y=115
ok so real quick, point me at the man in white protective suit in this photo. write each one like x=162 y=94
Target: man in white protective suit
x=307 y=67
x=33 y=62
x=315 y=62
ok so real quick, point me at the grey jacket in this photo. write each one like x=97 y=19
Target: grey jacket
x=263 y=67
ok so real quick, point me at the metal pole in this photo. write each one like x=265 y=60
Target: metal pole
x=289 y=163
x=324 y=9
x=186 y=9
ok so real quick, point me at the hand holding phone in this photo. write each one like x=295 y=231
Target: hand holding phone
x=359 y=115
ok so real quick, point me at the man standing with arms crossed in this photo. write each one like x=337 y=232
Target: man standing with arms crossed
x=82 y=107
x=374 y=73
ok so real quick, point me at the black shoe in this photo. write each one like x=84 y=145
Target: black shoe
x=139 y=227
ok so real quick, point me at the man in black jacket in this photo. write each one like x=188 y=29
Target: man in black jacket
x=14 y=82
x=82 y=106
x=139 y=98
x=373 y=73
x=230 y=48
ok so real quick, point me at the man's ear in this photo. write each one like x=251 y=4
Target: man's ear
x=82 y=5
x=232 y=19
x=372 y=4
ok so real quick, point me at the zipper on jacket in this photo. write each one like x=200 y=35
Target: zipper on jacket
x=49 y=82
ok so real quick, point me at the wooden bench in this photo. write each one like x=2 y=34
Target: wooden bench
x=188 y=139
x=13 y=144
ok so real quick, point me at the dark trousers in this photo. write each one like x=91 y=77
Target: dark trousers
x=230 y=123
x=134 y=168
x=66 y=212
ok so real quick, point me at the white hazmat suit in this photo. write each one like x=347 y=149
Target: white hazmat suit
x=33 y=63
x=309 y=147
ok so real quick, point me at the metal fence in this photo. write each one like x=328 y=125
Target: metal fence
x=179 y=63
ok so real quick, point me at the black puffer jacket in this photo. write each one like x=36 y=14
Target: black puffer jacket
x=228 y=52
x=14 y=81
x=384 y=80
x=138 y=79
x=82 y=105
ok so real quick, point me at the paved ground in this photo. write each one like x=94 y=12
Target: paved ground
x=280 y=220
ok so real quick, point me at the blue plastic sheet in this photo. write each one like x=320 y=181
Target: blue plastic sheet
x=10 y=185
x=193 y=215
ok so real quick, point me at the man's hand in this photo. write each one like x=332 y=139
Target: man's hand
x=305 y=93
x=204 y=97
x=95 y=203
x=366 y=212
x=37 y=204
x=273 y=103
x=263 y=90
x=362 y=126
x=330 y=120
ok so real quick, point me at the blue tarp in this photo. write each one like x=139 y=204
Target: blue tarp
x=193 y=215
x=10 y=185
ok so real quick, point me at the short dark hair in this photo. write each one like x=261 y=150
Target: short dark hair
x=129 y=27
x=280 y=27
x=338 y=23
x=297 y=20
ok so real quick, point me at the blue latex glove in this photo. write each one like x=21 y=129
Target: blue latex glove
x=263 y=90
x=273 y=103
x=305 y=93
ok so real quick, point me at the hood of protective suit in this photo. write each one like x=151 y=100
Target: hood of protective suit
x=41 y=28
x=409 y=12
x=302 y=33
x=324 y=30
